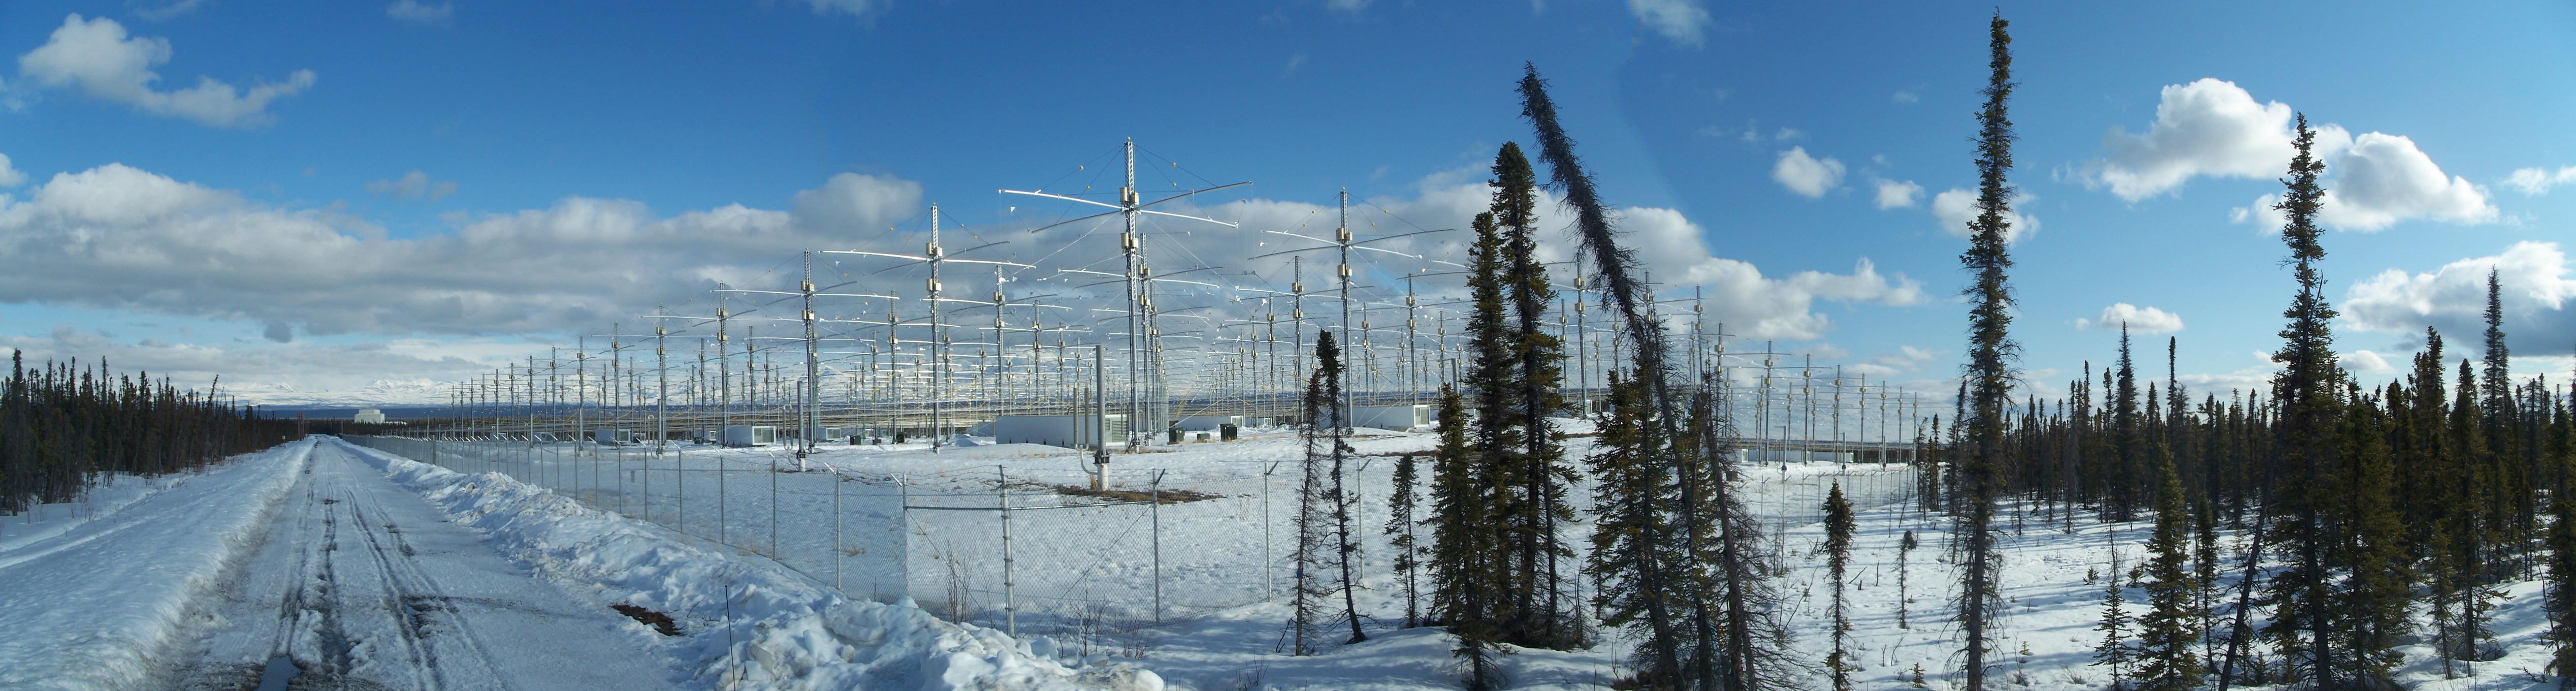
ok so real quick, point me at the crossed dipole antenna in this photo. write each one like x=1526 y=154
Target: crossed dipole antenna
x=1343 y=241
x=1138 y=277
x=932 y=256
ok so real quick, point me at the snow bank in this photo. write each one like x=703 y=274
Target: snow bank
x=107 y=602
x=750 y=623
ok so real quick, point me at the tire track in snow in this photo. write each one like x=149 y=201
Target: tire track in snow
x=374 y=589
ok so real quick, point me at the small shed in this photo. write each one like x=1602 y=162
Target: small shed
x=750 y=435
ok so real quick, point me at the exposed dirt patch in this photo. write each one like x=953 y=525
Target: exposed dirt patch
x=660 y=622
x=1168 y=496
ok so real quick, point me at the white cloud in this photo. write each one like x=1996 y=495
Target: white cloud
x=2208 y=127
x=1903 y=96
x=120 y=238
x=105 y=63
x=861 y=9
x=10 y=177
x=851 y=203
x=1353 y=6
x=2141 y=320
x=413 y=185
x=1906 y=359
x=2380 y=180
x=415 y=12
x=2260 y=213
x=2215 y=128
x=265 y=372
x=170 y=10
x=1679 y=21
x=2535 y=282
x=2537 y=181
x=1808 y=176
x=1893 y=194
x=2366 y=362
x=1670 y=247
x=2383 y=179
x=1955 y=208
x=116 y=237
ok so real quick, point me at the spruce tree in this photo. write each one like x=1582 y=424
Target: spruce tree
x=1633 y=558
x=1313 y=555
x=2509 y=514
x=2378 y=592
x=2128 y=439
x=1325 y=549
x=1462 y=545
x=1547 y=618
x=1904 y=548
x=1400 y=521
x=2471 y=541
x=2115 y=650
x=2204 y=564
x=1838 y=539
x=1991 y=353
x=2306 y=392
x=2166 y=631
x=2562 y=591
x=1346 y=548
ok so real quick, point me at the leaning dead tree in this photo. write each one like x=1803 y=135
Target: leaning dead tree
x=1704 y=606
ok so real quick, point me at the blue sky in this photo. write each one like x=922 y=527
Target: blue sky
x=579 y=163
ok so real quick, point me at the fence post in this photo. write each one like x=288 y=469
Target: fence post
x=680 y=491
x=836 y=528
x=1010 y=596
x=1157 y=496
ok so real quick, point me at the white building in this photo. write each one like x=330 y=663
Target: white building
x=369 y=416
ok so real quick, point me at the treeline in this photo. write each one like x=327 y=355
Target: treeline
x=63 y=424
x=2358 y=504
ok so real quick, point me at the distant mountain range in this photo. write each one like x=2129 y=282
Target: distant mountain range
x=382 y=393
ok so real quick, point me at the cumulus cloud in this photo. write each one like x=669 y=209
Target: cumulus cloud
x=2215 y=128
x=98 y=57
x=1955 y=208
x=2207 y=127
x=2139 y=320
x=853 y=203
x=1904 y=359
x=1894 y=194
x=413 y=185
x=2366 y=362
x=1673 y=249
x=417 y=13
x=264 y=372
x=2537 y=181
x=10 y=177
x=861 y=9
x=1808 y=176
x=121 y=238
x=1679 y=21
x=117 y=237
x=2535 y=283
x=2383 y=179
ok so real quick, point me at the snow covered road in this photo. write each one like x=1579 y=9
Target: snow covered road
x=364 y=584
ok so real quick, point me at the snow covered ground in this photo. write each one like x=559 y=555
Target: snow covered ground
x=359 y=579
x=1084 y=578
x=105 y=597
x=439 y=579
